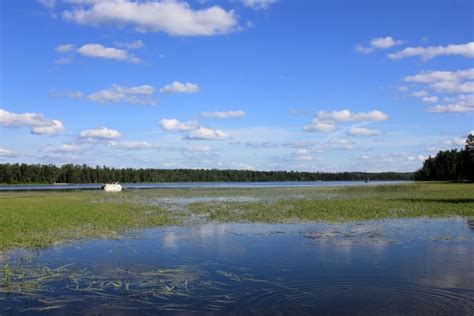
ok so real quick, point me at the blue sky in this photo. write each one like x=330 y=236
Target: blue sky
x=244 y=84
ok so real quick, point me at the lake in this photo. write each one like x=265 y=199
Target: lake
x=393 y=266
x=191 y=185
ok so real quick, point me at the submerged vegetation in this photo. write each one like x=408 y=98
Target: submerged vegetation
x=37 y=219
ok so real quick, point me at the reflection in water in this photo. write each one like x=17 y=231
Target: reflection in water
x=470 y=223
x=414 y=266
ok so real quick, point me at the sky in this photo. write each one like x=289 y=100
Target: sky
x=242 y=84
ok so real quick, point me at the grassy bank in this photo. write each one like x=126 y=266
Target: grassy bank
x=37 y=219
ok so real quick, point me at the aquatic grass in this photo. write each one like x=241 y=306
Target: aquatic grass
x=351 y=204
x=40 y=219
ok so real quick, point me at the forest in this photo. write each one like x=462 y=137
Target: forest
x=36 y=173
x=452 y=165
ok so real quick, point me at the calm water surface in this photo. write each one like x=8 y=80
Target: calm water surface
x=398 y=266
x=185 y=185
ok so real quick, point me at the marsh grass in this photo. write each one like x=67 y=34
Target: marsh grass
x=350 y=203
x=39 y=219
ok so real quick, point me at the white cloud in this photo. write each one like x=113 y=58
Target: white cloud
x=460 y=103
x=172 y=17
x=439 y=76
x=348 y=116
x=416 y=158
x=6 y=152
x=131 y=145
x=384 y=42
x=38 y=124
x=204 y=133
x=64 y=48
x=453 y=86
x=426 y=53
x=258 y=4
x=222 y=115
x=377 y=43
x=430 y=99
x=362 y=131
x=178 y=87
x=176 y=126
x=141 y=95
x=325 y=121
x=316 y=126
x=99 y=134
x=456 y=142
x=100 y=51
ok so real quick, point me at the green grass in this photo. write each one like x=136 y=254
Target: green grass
x=38 y=219
x=349 y=203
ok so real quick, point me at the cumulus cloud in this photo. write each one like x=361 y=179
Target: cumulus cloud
x=178 y=87
x=204 y=133
x=317 y=126
x=258 y=4
x=99 y=134
x=6 y=152
x=462 y=103
x=458 y=141
x=426 y=53
x=38 y=124
x=362 y=131
x=430 y=99
x=440 y=76
x=173 y=125
x=416 y=158
x=377 y=43
x=131 y=145
x=325 y=121
x=100 y=51
x=172 y=17
x=222 y=115
x=50 y=4
x=448 y=82
x=141 y=95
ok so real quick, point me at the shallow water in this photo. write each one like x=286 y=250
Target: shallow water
x=396 y=266
x=189 y=185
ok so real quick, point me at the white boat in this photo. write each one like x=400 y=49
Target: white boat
x=112 y=187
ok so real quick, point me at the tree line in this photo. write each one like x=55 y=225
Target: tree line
x=450 y=164
x=37 y=173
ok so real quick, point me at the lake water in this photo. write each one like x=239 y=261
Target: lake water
x=389 y=267
x=185 y=185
